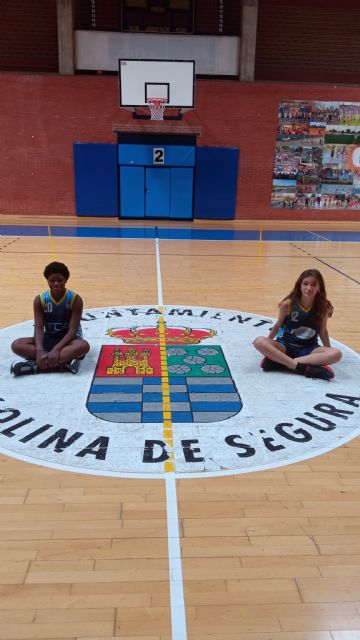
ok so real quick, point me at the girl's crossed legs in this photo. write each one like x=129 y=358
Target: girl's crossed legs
x=276 y=352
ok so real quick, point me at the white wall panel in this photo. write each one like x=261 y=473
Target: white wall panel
x=101 y=50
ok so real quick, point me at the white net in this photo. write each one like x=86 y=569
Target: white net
x=157 y=107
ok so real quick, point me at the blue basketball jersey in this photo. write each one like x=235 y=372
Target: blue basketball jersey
x=57 y=314
x=298 y=328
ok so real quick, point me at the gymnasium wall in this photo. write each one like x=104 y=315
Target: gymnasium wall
x=28 y=36
x=308 y=41
x=43 y=115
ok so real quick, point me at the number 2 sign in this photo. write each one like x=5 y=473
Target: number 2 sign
x=158 y=155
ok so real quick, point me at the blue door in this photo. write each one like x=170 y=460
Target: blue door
x=132 y=200
x=156 y=181
x=157 y=193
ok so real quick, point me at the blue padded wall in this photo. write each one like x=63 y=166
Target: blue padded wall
x=96 y=179
x=181 y=197
x=216 y=173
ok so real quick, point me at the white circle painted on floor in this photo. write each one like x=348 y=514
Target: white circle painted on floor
x=184 y=381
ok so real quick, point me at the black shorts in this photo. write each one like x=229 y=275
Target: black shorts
x=51 y=339
x=297 y=351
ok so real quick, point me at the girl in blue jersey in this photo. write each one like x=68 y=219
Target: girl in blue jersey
x=293 y=341
x=57 y=342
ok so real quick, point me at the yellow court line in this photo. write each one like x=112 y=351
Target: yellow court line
x=260 y=245
x=165 y=388
x=52 y=249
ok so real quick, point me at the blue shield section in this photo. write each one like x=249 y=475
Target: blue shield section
x=202 y=390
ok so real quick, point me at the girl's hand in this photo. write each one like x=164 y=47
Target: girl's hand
x=53 y=358
x=41 y=360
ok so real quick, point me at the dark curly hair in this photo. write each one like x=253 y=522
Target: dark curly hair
x=322 y=307
x=56 y=267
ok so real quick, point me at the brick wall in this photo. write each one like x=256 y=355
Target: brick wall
x=311 y=41
x=42 y=116
x=28 y=35
x=207 y=17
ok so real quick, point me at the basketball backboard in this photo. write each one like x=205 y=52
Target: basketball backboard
x=169 y=80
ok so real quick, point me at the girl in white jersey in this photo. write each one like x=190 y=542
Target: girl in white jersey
x=293 y=340
x=57 y=342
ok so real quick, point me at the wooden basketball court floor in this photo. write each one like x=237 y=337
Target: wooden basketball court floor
x=269 y=555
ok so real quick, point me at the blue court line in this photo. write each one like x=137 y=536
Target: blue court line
x=103 y=232
x=174 y=233
x=22 y=230
x=208 y=234
x=155 y=232
x=340 y=236
x=290 y=236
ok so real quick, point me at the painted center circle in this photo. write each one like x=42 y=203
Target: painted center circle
x=174 y=389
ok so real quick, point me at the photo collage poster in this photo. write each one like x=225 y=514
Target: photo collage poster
x=317 y=157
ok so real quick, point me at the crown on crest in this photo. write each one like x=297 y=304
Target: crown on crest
x=173 y=335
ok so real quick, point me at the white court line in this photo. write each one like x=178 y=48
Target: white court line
x=177 y=605
x=158 y=274
x=317 y=235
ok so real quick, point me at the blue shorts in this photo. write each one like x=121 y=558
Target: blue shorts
x=297 y=351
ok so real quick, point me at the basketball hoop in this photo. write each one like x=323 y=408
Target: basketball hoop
x=157 y=107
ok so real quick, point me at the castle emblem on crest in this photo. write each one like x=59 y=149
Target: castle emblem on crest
x=130 y=359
